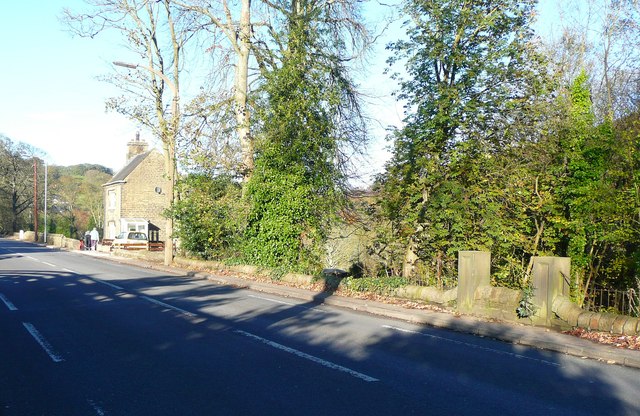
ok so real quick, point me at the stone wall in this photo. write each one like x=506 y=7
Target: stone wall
x=55 y=240
x=496 y=302
x=25 y=236
x=59 y=240
x=550 y=300
x=213 y=266
x=608 y=322
x=476 y=296
x=428 y=294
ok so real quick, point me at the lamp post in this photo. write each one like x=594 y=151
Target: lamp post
x=169 y=142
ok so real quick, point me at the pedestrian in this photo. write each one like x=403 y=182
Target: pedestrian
x=94 y=239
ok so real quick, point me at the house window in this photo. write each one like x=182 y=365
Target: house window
x=112 y=199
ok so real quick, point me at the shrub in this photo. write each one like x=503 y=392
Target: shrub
x=209 y=216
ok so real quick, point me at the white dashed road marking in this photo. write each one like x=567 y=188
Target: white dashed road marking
x=309 y=357
x=43 y=342
x=8 y=303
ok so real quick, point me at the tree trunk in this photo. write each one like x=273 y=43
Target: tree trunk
x=534 y=252
x=169 y=160
x=242 y=88
x=410 y=259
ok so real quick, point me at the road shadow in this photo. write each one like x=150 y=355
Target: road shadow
x=13 y=248
x=419 y=369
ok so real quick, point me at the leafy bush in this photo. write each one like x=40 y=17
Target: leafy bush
x=209 y=216
x=526 y=308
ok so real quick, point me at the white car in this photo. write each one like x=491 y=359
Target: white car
x=131 y=240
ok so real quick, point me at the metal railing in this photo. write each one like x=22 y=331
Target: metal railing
x=624 y=302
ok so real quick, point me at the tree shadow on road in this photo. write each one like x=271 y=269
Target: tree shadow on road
x=202 y=331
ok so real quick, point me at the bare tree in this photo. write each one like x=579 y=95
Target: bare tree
x=603 y=36
x=254 y=33
x=156 y=32
x=236 y=30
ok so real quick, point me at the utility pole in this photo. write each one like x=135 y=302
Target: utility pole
x=45 y=203
x=35 y=197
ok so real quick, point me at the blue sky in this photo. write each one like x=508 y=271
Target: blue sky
x=52 y=99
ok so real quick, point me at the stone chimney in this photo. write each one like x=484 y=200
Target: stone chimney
x=136 y=147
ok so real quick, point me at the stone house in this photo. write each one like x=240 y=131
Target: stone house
x=134 y=199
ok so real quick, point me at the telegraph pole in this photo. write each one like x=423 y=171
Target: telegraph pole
x=45 y=203
x=35 y=197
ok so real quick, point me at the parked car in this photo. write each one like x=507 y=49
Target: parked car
x=131 y=240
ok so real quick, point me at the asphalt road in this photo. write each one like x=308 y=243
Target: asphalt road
x=85 y=336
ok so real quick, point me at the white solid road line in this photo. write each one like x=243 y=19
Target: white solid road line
x=466 y=344
x=166 y=305
x=43 y=342
x=297 y=305
x=7 y=302
x=272 y=300
x=309 y=357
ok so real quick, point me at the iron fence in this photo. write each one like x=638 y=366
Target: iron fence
x=445 y=282
x=625 y=302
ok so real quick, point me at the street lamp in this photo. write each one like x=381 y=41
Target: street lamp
x=167 y=81
x=169 y=141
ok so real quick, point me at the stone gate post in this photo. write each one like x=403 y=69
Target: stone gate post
x=550 y=278
x=474 y=270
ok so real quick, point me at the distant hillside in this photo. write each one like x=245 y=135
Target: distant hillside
x=80 y=170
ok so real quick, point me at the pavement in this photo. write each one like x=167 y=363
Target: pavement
x=517 y=334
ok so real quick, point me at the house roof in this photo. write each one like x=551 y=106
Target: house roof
x=122 y=174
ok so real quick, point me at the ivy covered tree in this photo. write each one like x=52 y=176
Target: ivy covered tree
x=596 y=185
x=308 y=117
x=474 y=88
